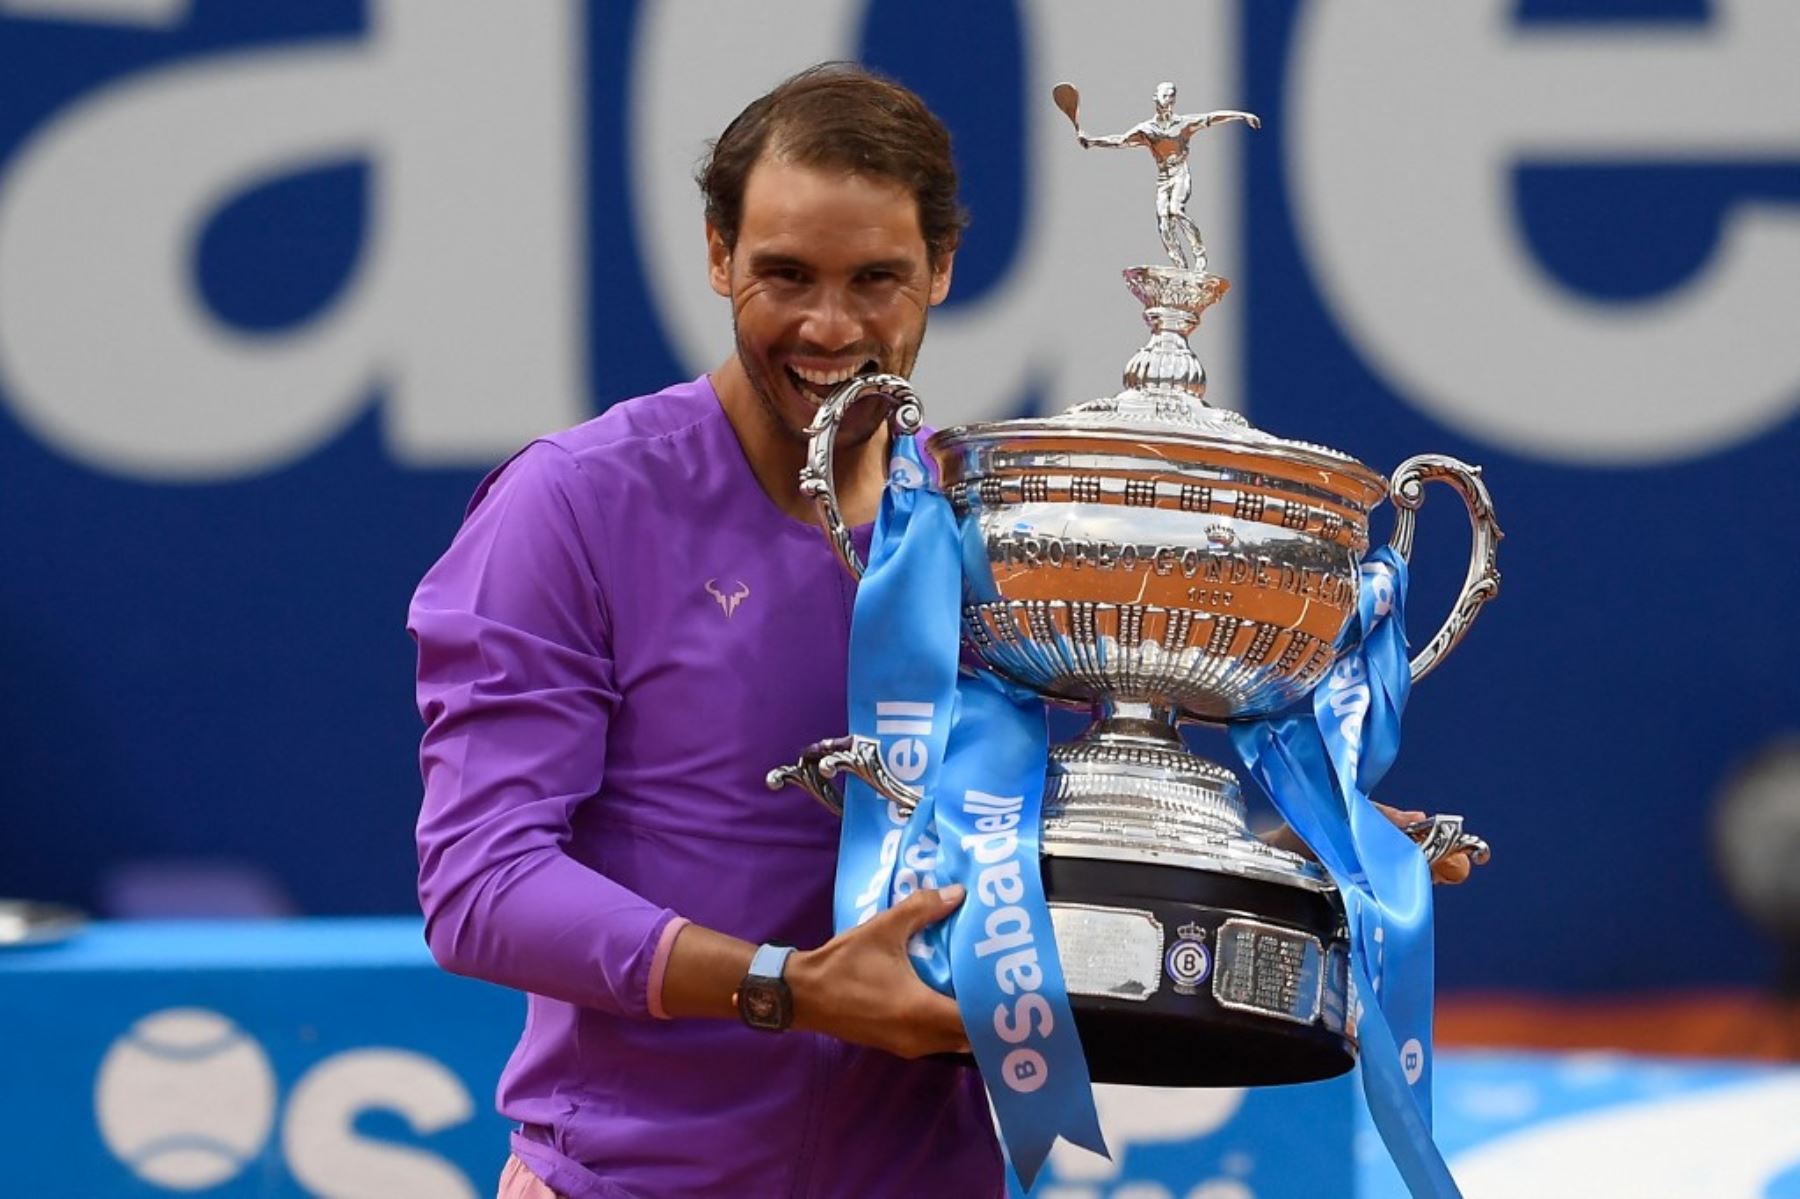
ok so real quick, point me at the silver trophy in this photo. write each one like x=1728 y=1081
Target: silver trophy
x=1159 y=560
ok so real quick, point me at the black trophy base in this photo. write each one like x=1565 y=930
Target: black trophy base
x=1239 y=999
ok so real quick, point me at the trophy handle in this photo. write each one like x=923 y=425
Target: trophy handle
x=905 y=418
x=822 y=761
x=1482 y=583
x=1440 y=836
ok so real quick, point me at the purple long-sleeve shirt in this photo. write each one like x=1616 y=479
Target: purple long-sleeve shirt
x=625 y=635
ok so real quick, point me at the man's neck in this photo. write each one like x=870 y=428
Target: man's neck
x=776 y=457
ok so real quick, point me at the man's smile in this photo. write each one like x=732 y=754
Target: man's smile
x=820 y=380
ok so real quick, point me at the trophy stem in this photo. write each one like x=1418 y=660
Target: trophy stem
x=1164 y=381
x=1173 y=301
x=1128 y=790
x=1152 y=725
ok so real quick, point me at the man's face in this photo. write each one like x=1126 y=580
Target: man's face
x=1165 y=97
x=829 y=279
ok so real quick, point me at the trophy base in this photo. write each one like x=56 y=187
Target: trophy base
x=1194 y=954
x=1174 y=983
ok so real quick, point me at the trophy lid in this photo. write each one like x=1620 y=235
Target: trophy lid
x=1162 y=409
x=1176 y=434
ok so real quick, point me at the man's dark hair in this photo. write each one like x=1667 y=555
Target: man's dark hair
x=839 y=114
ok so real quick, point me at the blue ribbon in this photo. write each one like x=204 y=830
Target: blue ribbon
x=902 y=691
x=976 y=748
x=1320 y=770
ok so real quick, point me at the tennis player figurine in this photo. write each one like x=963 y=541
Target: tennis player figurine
x=1166 y=136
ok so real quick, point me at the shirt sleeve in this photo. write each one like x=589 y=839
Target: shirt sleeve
x=516 y=687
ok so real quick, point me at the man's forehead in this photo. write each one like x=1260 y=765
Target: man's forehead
x=776 y=171
x=800 y=210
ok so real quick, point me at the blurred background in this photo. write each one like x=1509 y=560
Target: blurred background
x=280 y=281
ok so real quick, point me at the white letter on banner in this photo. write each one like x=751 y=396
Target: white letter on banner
x=319 y=1137
x=1015 y=1026
x=1001 y=884
x=464 y=305
x=1405 y=118
x=143 y=14
x=1060 y=320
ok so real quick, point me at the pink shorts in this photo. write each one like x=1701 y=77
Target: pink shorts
x=518 y=1182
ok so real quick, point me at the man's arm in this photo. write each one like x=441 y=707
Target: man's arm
x=1206 y=120
x=515 y=683
x=859 y=986
x=1135 y=136
x=516 y=687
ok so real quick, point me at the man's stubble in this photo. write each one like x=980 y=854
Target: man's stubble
x=849 y=434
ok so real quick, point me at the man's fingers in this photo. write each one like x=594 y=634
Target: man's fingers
x=926 y=907
x=1459 y=868
x=1397 y=816
x=1453 y=869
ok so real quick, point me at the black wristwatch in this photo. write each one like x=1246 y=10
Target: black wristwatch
x=763 y=999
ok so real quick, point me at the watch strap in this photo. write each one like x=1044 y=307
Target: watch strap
x=769 y=961
x=763 y=1000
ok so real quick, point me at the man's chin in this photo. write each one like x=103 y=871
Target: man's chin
x=794 y=417
x=792 y=413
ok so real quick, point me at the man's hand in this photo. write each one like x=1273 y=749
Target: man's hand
x=1451 y=868
x=860 y=985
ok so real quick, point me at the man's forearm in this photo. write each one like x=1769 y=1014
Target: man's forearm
x=542 y=922
x=703 y=972
x=860 y=986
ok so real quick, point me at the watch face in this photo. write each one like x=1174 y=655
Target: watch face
x=763 y=1004
x=760 y=1006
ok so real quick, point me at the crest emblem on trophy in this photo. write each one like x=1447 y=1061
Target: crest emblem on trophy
x=1155 y=560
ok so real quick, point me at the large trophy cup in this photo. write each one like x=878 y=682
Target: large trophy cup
x=1160 y=560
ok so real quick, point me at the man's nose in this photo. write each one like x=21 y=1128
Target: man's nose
x=831 y=320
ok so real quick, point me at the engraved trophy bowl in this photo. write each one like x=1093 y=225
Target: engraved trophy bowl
x=1159 y=560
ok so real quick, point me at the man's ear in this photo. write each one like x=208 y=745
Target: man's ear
x=940 y=277
x=718 y=261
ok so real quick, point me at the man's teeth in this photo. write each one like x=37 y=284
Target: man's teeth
x=830 y=378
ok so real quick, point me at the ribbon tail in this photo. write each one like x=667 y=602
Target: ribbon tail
x=1080 y=1127
x=1319 y=772
x=1024 y=1039
x=1028 y=1146
x=1028 y=1151
x=1404 y=1126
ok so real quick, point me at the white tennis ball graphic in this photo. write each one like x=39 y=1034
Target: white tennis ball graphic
x=185 y=1098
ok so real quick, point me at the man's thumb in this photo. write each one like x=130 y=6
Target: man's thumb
x=928 y=907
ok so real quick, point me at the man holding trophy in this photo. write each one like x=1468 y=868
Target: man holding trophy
x=640 y=615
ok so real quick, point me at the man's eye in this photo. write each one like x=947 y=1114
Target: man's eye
x=879 y=277
x=785 y=274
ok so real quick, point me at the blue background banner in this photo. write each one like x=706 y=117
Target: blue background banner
x=279 y=282
x=310 y=1057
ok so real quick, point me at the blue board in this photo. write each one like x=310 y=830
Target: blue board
x=278 y=282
